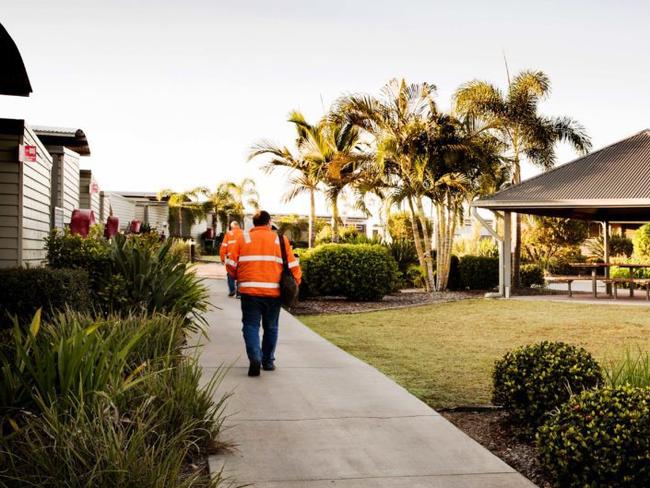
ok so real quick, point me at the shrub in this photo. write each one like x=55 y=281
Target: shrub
x=479 y=272
x=180 y=251
x=88 y=402
x=404 y=254
x=95 y=444
x=72 y=356
x=641 y=241
x=531 y=381
x=415 y=276
x=66 y=250
x=631 y=370
x=357 y=272
x=599 y=438
x=133 y=274
x=154 y=280
x=183 y=401
x=24 y=290
x=618 y=246
x=531 y=275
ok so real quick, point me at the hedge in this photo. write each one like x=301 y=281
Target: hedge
x=479 y=272
x=24 y=290
x=354 y=271
x=531 y=275
x=599 y=438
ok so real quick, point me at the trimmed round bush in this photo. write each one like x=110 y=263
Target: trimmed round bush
x=599 y=438
x=354 y=271
x=531 y=381
x=531 y=275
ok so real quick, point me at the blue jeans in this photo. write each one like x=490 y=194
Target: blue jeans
x=267 y=311
x=232 y=284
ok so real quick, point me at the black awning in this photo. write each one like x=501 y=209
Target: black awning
x=13 y=75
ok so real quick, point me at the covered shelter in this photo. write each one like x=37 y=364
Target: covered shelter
x=608 y=185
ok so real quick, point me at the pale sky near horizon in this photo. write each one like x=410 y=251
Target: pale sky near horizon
x=173 y=94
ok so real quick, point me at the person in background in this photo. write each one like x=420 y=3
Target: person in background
x=256 y=262
x=229 y=239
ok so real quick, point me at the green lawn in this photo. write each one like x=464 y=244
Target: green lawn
x=444 y=353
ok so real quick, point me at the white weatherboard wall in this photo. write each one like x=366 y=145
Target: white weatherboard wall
x=104 y=206
x=86 y=199
x=25 y=200
x=65 y=180
x=155 y=214
x=123 y=209
x=9 y=199
x=36 y=202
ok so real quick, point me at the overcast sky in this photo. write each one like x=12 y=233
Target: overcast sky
x=173 y=93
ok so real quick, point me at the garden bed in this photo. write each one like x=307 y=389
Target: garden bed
x=402 y=299
x=490 y=429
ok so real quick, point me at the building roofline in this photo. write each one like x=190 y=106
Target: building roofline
x=562 y=166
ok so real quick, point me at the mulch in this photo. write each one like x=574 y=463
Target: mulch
x=490 y=429
x=402 y=299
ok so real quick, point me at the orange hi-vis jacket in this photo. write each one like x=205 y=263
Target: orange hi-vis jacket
x=229 y=239
x=256 y=262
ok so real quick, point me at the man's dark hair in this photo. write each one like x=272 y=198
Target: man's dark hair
x=261 y=217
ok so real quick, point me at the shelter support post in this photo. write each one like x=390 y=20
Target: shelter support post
x=606 y=254
x=507 y=253
x=501 y=247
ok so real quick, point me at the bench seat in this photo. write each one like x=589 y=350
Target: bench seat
x=641 y=282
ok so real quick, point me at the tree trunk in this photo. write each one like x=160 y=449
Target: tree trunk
x=418 y=243
x=335 y=219
x=447 y=218
x=428 y=254
x=180 y=221
x=516 y=259
x=312 y=218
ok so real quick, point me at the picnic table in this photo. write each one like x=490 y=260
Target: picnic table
x=594 y=267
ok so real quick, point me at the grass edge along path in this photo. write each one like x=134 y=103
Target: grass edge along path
x=444 y=353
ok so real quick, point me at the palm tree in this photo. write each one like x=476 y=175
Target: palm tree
x=305 y=177
x=336 y=152
x=223 y=206
x=461 y=164
x=243 y=196
x=185 y=203
x=397 y=121
x=526 y=134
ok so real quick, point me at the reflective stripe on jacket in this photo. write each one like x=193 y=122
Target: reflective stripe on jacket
x=229 y=239
x=256 y=261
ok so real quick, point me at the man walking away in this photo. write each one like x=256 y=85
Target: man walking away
x=229 y=239
x=256 y=262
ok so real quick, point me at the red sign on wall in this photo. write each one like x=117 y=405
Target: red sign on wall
x=27 y=154
x=94 y=187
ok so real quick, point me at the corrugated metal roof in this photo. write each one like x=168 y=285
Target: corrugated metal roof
x=619 y=171
x=74 y=139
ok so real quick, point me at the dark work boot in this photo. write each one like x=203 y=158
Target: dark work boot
x=254 y=368
x=268 y=366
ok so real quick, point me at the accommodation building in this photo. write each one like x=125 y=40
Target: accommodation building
x=25 y=194
x=66 y=146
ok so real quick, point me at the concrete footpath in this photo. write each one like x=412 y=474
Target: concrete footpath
x=325 y=418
